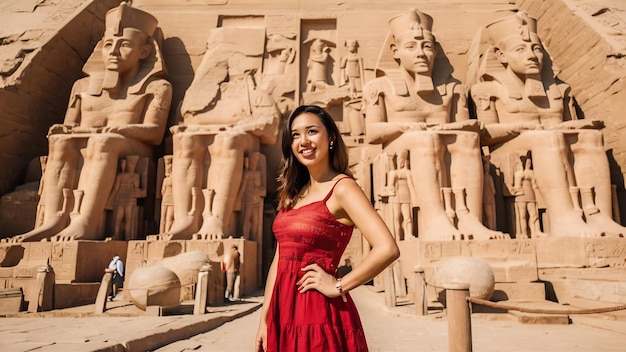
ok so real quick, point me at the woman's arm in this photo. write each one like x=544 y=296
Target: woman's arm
x=358 y=209
x=261 y=336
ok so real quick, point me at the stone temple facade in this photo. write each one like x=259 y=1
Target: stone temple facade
x=501 y=141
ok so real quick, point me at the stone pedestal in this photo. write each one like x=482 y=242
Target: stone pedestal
x=11 y=300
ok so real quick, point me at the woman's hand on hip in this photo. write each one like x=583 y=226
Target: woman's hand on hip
x=317 y=279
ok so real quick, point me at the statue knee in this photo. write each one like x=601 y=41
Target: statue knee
x=189 y=147
x=105 y=143
x=62 y=149
x=591 y=138
x=236 y=140
x=423 y=143
x=469 y=140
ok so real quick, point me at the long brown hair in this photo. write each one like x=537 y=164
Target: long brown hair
x=293 y=175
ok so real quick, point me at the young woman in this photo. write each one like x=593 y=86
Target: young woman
x=306 y=306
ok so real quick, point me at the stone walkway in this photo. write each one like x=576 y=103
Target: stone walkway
x=389 y=330
x=232 y=328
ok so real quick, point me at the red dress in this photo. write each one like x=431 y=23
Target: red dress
x=310 y=321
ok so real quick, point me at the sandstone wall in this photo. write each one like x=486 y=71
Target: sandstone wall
x=42 y=51
x=586 y=41
x=43 y=48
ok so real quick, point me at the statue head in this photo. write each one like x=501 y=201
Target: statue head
x=413 y=41
x=126 y=35
x=131 y=162
x=281 y=46
x=167 y=160
x=127 y=48
x=402 y=159
x=527 y=160
x=352 y=45
x=516 y=43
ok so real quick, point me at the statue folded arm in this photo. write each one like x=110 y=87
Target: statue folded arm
x=151 y=129
x=492 y=130
x=379 y=130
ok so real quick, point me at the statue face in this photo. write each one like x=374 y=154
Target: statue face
x=416 y=55
x=351 y=46
x=123 y=53
x=523 y=58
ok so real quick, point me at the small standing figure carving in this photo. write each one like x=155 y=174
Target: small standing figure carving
x=167 y=199
x=524 y=188
x=352 y=69
x=317 y=65
x=126 y=190
x=250 y=197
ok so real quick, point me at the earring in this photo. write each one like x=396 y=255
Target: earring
x=332 y=145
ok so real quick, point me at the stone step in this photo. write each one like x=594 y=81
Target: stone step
x=505 y=291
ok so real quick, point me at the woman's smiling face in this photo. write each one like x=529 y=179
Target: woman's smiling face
x=309 y=139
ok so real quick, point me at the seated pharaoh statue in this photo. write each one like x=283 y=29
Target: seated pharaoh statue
x=119 y=110
x=415 y=106
x=525 y=108
x=225 y=118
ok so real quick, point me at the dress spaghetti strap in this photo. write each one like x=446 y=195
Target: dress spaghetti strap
x=330 y=193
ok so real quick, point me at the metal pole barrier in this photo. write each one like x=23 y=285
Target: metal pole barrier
x=459 y=318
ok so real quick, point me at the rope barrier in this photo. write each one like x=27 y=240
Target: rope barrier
x=544 y=311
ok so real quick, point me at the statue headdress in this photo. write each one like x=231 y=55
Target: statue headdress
x=418 y=25
x=413 y=22
x=116 y=20
x=507 y=31
x=515 y=27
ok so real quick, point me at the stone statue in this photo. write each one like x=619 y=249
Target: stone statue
x=526 y=212
x=279 y=70
x=317 y=65
x=489 y=195
x=353 y=74
x=120 y=109
x=250 y=196
x=416 y=106
x=126 y=190
x=167 y=198
x=352 y=70
x=225 y=118
x=400 y=188
x=40 y=209
x=523 y=106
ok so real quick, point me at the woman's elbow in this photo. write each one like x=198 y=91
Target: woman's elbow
x=392 y=251
x=396 y=252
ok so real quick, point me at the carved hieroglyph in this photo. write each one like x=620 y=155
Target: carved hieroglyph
x=415 y=106
x=524 y=107
x=226 y=117
x=119 y=110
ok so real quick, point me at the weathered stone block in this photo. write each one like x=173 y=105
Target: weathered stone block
x=580 y=252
